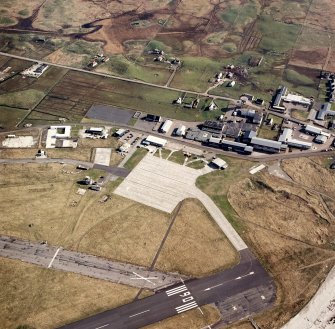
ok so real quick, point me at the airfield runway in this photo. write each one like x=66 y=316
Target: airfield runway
x=247 y=287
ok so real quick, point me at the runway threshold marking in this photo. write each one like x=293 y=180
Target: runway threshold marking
x=131 y=316
x=176 y=290
x=54 y=257
x=186 y=307
x=105 y=325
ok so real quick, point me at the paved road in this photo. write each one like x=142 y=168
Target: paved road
x=116 y=171
x=247 y=278
x=96 y=267
x=116 y=77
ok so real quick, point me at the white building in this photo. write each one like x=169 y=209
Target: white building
x=156 y=141
x=181 y=131
x=36 y=70
x=296 y=99
x=60 y=136
x=219 y=163
x=166 y=126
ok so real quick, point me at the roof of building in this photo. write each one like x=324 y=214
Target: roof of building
x=216 y=125
x=249 y=134
x=214 y=140
x=297 y=99
x=166 y=125
x=226 y=142
x=285 y=135
x=181 y=130
x=280 y=93
x=321 y=138
x=156 y=140
x=266 y=142
x=247 y=113
x=232 y=129
x=324 y=111
x=298 y=143
x=313 y=129
x=220 y=163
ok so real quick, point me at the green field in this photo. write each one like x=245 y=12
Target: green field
x=10 y=117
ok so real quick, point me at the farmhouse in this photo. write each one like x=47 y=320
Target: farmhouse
x=36 y=70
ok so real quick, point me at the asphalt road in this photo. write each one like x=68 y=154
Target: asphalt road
x=247 y=278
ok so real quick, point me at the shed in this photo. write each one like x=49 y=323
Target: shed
x=320 y=139
x=156 y=141
x=219 y=163
x=166 y=126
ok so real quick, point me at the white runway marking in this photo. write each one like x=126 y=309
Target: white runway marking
x=243 y=276
x=139 y=313
x=53 y=258
x=210 y=288
x=103 y=326
x=176 y=290
x=140 y=277
x=186 y=307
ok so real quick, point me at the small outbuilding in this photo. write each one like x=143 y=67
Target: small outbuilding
x=219 y=163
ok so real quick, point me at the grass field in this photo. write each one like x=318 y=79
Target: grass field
x=199 y=164
x=265 y=131
x=178 y=157
x=138 y=155
x=53 y=298
x=299 y=114
x=25 y=99
x=10 y=117
x=195 y=233
x=287 y=227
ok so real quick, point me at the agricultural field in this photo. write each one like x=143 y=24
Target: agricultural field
x=288 y=225
x=290 y=36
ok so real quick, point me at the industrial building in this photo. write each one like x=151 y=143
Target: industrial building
x=232 y=129
x=248 y=135
x=120 y=132
x=320 y=139
x=325 y=111
x=60 y=137
x=311 y=130
x=166 y=126
x=251 y=115
x=276 y=104
x=197 y=135
x=214 y=127
x=286 y=137
x=236 y=146
x=214 y=142
x=155 y=141
x=266 y=145
x=297 y=99
x=180 y=131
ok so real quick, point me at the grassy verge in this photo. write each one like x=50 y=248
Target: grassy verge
x=135 y=158
x=199 y=164
x=26 y=99
x=177 y=157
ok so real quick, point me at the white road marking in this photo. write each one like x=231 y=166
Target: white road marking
x=263 y=297
x=103 y=326
x=143 y=278
x=131 y=316
x=243 y=276
x=210 y=288
x=53 y=258
x=186 y=307
x=176 y=290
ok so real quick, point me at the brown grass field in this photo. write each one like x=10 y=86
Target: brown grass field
x=289 y=226
x=45 y=299
x=194 y=233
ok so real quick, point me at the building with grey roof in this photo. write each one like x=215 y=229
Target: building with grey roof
x=232 y=129
x=325 y=111
x=248 y=135
x=266 y=145
x=320 y=139
x=276 y=104
x=285 y=135
x=236 y=146
x=212 y=126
